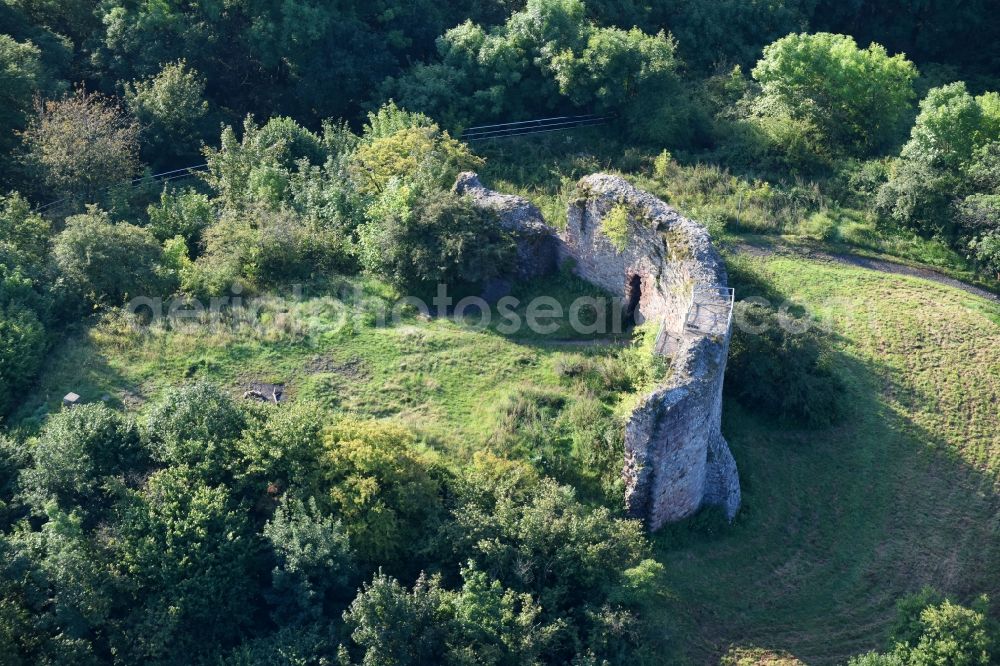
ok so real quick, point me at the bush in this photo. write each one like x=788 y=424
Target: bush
x=172 y=111
x=21 y=76
x=83 y=144
x=406 y=146
x=584 y=567
x=78 y=453
x=192 y=557
x=415 y=241
x=615 y=227
x=951 y=126
x=259 y=247
x=312 y=560
x=818 y=226
x=22 y=348
x=480 y=623
x=104 y=261
x=785 y=374
x=918 y=196
x=387 y=494
x=24 y=235
x=856 y=98
x=256 y=168
x=556 y=59
x=932 y=630
x=184 y=213
x=196 y=425
x=527 y=430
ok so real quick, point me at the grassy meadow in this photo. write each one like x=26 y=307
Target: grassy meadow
x=838 y=523
x=338 y=345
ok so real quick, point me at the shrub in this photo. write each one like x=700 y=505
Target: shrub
x=951 y=634
x=77 y=454
x=312 y=560
x=855 y=98
x=196 y=425
x=105 y=261
x=615 y=227
x=256 y=168
x=184 y=213
x=260 y=247
x=24 y=235
x=285 y=453
x=918 y=196
x=951 y=126
x=419 y=241
x=387 y=494
x=172 y=111
x=21 y=76
x=191 y=555
x=931 y=630
x=582 y=565
x=420 y=153
x=22 y=346
x=482 y=622
x=785 y=374
x=526 y=429
x=986 y=250
x=82 y=144
x=951 y=154
x=818 y=226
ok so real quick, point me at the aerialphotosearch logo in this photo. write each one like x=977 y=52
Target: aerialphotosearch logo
x=353 y=306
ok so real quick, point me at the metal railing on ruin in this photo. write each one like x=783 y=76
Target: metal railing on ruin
x=709 y=311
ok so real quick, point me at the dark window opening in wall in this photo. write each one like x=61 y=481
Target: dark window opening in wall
x=633 y=292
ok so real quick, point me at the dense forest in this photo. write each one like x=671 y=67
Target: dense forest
x=166 y=147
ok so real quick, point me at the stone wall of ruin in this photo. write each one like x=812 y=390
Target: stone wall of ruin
x=676 y=459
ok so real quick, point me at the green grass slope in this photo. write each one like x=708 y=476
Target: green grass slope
x=838 y=523
x=438 y=375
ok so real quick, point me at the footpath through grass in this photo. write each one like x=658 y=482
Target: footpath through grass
x=837 y=524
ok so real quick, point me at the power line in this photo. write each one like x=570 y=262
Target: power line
x=478 y=133
x=537 y=126
x=183 y=172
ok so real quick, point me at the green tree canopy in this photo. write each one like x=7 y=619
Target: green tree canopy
x=82 y=144
x=951 y=126
x=192 y=558
x=857 y=98
x=105 y=261
x=172 y=111
x=78 y=454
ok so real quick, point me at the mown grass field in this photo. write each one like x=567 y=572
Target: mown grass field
x=838 y=523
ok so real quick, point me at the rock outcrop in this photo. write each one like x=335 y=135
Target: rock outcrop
x=667 y=271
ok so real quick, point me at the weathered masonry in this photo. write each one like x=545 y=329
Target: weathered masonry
x=676 y=459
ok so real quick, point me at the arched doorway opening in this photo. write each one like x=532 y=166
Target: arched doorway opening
x=633 y=294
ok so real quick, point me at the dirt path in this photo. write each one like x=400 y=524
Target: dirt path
x=880 y=265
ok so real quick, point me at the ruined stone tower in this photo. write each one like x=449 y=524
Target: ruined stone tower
x=676 y=459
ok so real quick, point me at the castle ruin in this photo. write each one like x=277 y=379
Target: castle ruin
x=676 y=460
